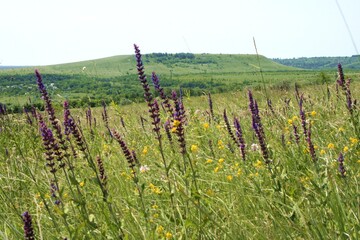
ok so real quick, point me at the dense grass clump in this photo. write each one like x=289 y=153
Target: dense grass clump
x=236 y=166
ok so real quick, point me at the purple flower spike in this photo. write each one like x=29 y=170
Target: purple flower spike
x=141 y=74
x=341 y=165
x=227 y=123
x=240 y=137
x=28 y=229
x=258 y=128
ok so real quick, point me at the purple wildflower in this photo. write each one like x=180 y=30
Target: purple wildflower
x=142 y=76
x=167 y=130
x=129 y=157
x=103 y=177
x=51 y=146
x=311 y=145
x=302 y=115
x=240 y=137
x=160 y=90
x=179 y=120
x=341 y=80
x=296 y=133
x=211 y=106
x=257 y=126
x=229 y=129
x=70 y=126
x=28 y=229
x=342 y=169
x=155 y=115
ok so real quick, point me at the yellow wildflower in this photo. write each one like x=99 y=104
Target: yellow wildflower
x=354 y=141
x=174 y=129
x=258 y=164
x=168 y=235
x=322 y=152
x=176 y=123
x=229 y=178
x=209 y=161
x=160 y=229
x=216 y=169
x=239 y=172
x=341 y=129
x=346 y=148
x=154 y=189
x=313 y=113
x=331 y=146
x=206 y=125
x=82 y=183
x=295 y=118
x=221 y=160
x=290 y=121
x=145 y=150
x=194 y=148
x=221 y=144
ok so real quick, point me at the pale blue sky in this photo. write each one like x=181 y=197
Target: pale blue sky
x=43 y=32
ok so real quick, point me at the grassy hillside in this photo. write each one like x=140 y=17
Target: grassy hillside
x=183 y=63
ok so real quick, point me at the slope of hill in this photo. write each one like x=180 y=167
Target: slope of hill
x=352 y=62
x=163 y=63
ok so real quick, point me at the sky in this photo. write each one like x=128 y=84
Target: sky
x=43 y=32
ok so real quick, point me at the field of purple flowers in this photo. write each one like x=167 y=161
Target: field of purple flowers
x=272 y=164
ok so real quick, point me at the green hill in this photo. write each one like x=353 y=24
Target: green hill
x=163 y=63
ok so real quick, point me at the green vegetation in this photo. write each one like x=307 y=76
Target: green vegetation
x=192 y=182
x=280 y=165
x=321 y=63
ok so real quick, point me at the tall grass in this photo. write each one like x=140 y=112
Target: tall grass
x=209 y=167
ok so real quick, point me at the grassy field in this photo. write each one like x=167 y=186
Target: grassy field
x=281 y=163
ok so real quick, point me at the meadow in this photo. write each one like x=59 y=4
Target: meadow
x=255 y=163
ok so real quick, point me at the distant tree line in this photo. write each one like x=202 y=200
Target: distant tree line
x=319 y=63
x=169 y=58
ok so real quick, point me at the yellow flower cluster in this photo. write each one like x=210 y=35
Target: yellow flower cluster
x=160 y=231
x=145 y=150
x=221 y=144
x=154 y=189
x=259 y=164
x=219 y=165
x=194 y=148
x=353 y=141
x=331 y=146
x=176 y=123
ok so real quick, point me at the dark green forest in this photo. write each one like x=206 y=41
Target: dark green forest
x=320 y=63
